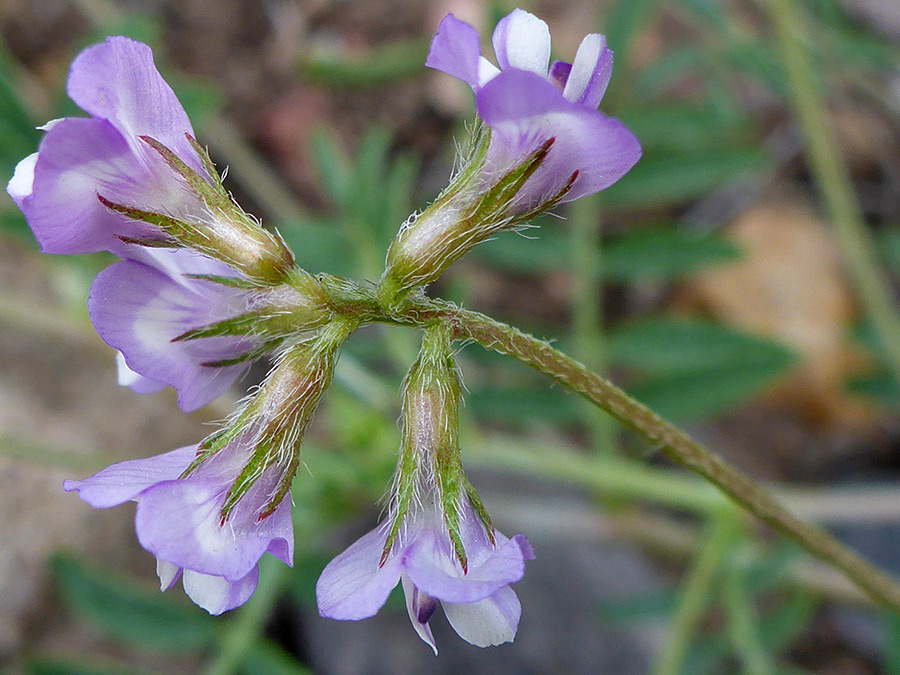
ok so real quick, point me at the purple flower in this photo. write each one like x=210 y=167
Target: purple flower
x=478 y=601
x=543 y=142
x=133 y=171
x=141 y=305
x=528 y=101
x=180 y=520
x=438 y=539
x=80 y=158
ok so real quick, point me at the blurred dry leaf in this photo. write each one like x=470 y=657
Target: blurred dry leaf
x=790 y=286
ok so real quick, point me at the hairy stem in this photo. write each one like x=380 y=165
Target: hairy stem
x=675 y=443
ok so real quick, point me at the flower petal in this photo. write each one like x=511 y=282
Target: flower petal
x=353 y=586
x=216 y=594
x=139 y=310
x=413 y=608
x=524 y=111
x=456 y=50
x=135 y=381
x=118 y=81
x=488 y=622
x=168 y=574
x=78 y=159
x=180 y=521
x=125 y=481
x=21 y=184
x=431 y=567
x=521 y=40
x=590 y=72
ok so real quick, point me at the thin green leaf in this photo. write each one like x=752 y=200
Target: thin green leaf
x=267 y=657
x=696 y=395
x=122 y=611
x=664 y=253
x=380 y=65
x=672 y=179
x=65 y=667
x=332 y=165
x=673 y=346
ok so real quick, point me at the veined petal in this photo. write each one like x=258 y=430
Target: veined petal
x=140 y=311
x=431 y=567
x=414 y=609
x=590 y=72
x=216 y=594
x=118 y=81
x=524 y=110
x=488 y=622
x=353 y=586
x=456 y=50
x=521 y=40
x=78 y=159
x=125 y=481
x=180 y=521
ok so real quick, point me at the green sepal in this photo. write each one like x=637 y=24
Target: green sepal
x=253 y=469
x=450 y=506
x=212 y=193
x=407 y=475
x=149 y=242
x=505 y=190
x=245 y=324
x=478 y=507
x=234 y=282
x=284 y=486
x=203 y=154
x=251 y=355
x=167 y=224
x=550 y=203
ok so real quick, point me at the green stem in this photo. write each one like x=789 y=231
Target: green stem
x=695 y=597
x=743 y=624
x=830 y=172
x=687 y=452
x=587 y=316
x=242 y=635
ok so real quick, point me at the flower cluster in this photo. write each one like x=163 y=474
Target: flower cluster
x=544 y=143
x=202 y=290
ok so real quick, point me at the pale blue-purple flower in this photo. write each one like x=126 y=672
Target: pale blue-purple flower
x=179 y=520
x=528 y=101
x=79 y=159
x=142 y=304
x=478 y=602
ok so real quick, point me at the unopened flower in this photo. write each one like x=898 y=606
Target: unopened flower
x=209 y=512
x=133 y=172
x=438 y=540
x=545 y=142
